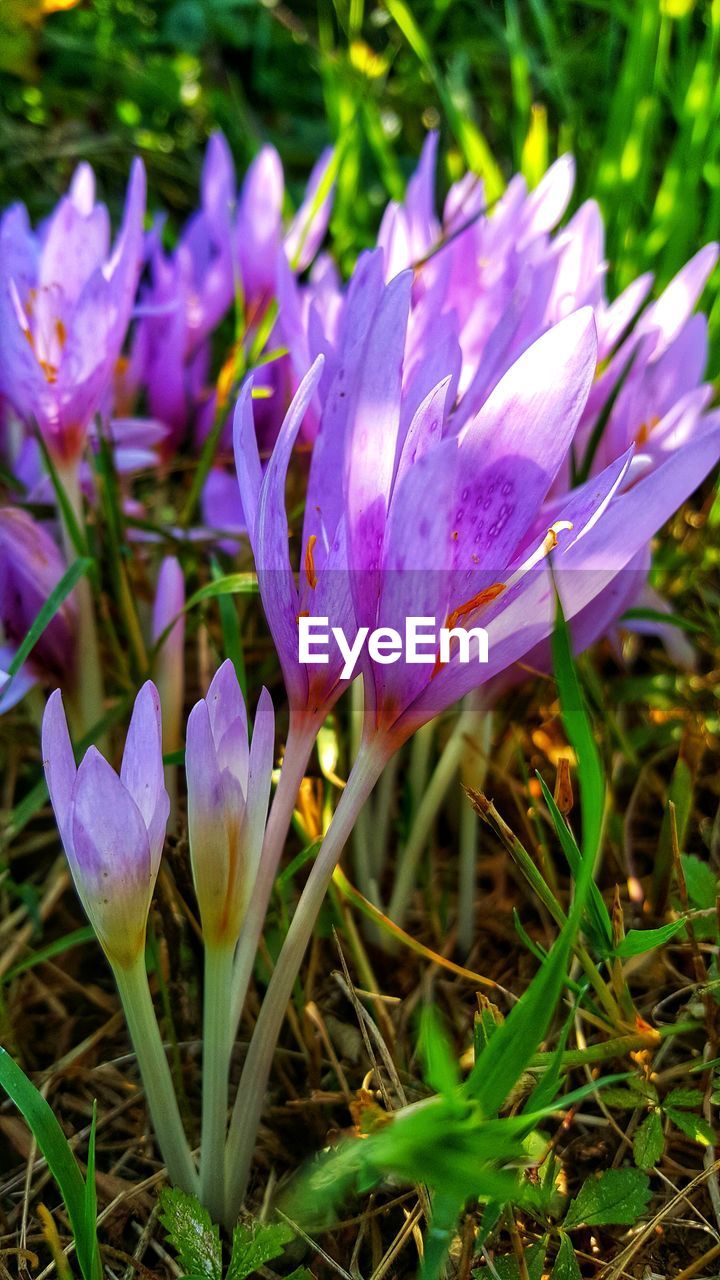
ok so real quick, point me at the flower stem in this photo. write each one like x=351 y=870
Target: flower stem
x=427 y=810
x=297 y=753
x=473 y=774
x=217 y=1045
x=253 y=1082
x=132 y=984
x=88 y=695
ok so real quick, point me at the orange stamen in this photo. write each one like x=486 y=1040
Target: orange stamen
x=486 y=596
x=643 y=434
x=310 y=562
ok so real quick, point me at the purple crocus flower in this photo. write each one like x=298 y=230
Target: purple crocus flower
x=454 y=528
x=190 y=292
x=65 y=304
x=477 y=503
x=228 y=781
x=31 y=566
x=230 y=248
x=323 y=587
x=505 y=278
x=112 y=828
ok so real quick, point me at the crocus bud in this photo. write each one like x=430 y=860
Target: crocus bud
x=228 y=782
x=112 y=828
x=170 y=669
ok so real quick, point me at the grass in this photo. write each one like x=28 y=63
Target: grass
x=634 y=91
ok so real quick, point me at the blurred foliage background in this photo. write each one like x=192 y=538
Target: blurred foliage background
x=631 y=86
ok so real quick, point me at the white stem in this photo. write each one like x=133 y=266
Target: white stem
x=152 y=1060
x=474 y=772
x=88 y=695
x=420 y=749
x=253 y=1082
x=466 y=876
x=297 y=753
x=427 y=811
x=217 y=1045
x=361 y=842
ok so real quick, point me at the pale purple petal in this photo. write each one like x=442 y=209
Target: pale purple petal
x=228 y=719
x=142 y=768
x=59 y=764
x=262 y=753
x=374 y=437
x=207 y=818
x=111 y=863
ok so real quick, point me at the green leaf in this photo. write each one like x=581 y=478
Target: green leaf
x=230 y=584
x=649 y=1141
x=637 y=941
x=192 y=1233
x=693 y=1126
x=446 y=1210
x=637 y=1094
x=89 y=1231
x=580 y=736
x=507 y=1055
x=507 y=1267
x=441 y=1067
x=485 y=1024
x=618 y=1197
x=61 y=1161
x=664 y=619
x=684 y=1098
x=566 y=1264
x=701 y=882
x=55 y=600
x=254 y=1246
x=232 y=639
x=56 y=948
x=597 y=911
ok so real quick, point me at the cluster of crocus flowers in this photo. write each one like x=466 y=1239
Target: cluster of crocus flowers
x=94 y=334
x=113 y=829
x=485 y=429
x=454 y=525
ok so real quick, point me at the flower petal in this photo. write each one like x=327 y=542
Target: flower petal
x=141 y=772
x=59 y=764
x=112 y=867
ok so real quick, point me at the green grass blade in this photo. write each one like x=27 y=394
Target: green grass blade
x=597 y=910
x=511 y=1048
x=580 y=736
x=56 y=948
x=60 y=1159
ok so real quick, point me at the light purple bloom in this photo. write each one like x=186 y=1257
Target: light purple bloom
x=423 y=517
x=228 y=782
x=231 y=247
x=65 y=303
x=190 y=292
x=112 y=828
x=323 y=586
